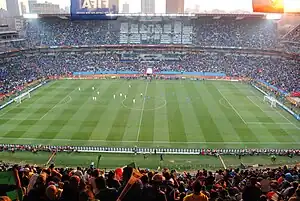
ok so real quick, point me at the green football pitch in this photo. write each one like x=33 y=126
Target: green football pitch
x=178 y=114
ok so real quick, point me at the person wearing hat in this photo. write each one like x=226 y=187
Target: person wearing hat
x=153 y=192
x=197 y=195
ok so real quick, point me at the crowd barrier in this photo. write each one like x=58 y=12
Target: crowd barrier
x=280 y=104
x=178 y=73
x=141 y=150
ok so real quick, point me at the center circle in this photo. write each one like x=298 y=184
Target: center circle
x=144 y=103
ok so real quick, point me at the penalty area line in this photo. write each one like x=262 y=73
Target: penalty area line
x=55 y=106
x=232 y=107
x=278 y=112
x=58 y=103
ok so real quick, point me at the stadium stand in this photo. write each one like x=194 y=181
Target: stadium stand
x=283 y=73
x=255 y=33
x=83 y=184
x=86 y=184
x=293 y=35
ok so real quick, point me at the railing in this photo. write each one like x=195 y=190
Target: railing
x=141 y=150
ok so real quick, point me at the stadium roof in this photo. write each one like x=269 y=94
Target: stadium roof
x=238 y=16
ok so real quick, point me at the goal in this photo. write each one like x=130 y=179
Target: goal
x=270 y=100
x=22 y=97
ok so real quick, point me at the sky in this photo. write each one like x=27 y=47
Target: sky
x=227 y=5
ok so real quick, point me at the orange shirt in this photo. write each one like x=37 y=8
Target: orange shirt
x=194 y=197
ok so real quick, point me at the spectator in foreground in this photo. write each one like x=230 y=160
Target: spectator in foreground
x=153 y=192
x=196 y=195
x=252 y=192
x=103 y=192
x=296 y=197
x=4 y=198
x=52 y=193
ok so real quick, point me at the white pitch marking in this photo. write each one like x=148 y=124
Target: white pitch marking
x=57 y=104
x=255 y=104
x=4 y=113
x=54 y=107
x=142 y=112
x=36 y=92
x=287 y=119
x=279 y=114
x=270 y=123
x=232 y=107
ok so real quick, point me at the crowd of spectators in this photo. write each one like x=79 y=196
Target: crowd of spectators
x=12 y=45
x=55 y=32
x=91 y=183
x=86 y=184
x=254 y=33
x=294 y=35
x=16 y=71
x=291 y=41
x=236 y=33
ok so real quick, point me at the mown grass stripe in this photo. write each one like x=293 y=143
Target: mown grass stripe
x=175 y=121
x=247 y=134
x=191 y=124
x=19 y=124
x=119 y=125
x=207 y=125
x=275 y=130
x=91 y=110
x=147 y=124
x=55 y=125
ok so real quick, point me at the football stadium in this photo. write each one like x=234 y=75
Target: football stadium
x=163 y=107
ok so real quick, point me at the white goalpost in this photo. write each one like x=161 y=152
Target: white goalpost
x=271 y=100
x=22 y=97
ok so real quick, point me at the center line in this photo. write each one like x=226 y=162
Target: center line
x=142 y=112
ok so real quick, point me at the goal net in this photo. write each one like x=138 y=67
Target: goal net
x=271 y=100
x=21 y=97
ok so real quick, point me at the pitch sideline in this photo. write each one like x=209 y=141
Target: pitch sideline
x=151 y=142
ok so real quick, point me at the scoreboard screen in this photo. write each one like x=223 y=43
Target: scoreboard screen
x=268 y=6
x=92 y=10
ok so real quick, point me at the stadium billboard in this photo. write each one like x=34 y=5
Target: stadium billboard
x=268 y=6
x=91 y=10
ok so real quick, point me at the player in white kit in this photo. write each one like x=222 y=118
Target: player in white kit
x=129 y=86
x=133 y=100
x=121 y=94
x=114 y=96
x=79 y=89
x=141 y=94
x=98 y=92
x=93 y=88
x=125 y=96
